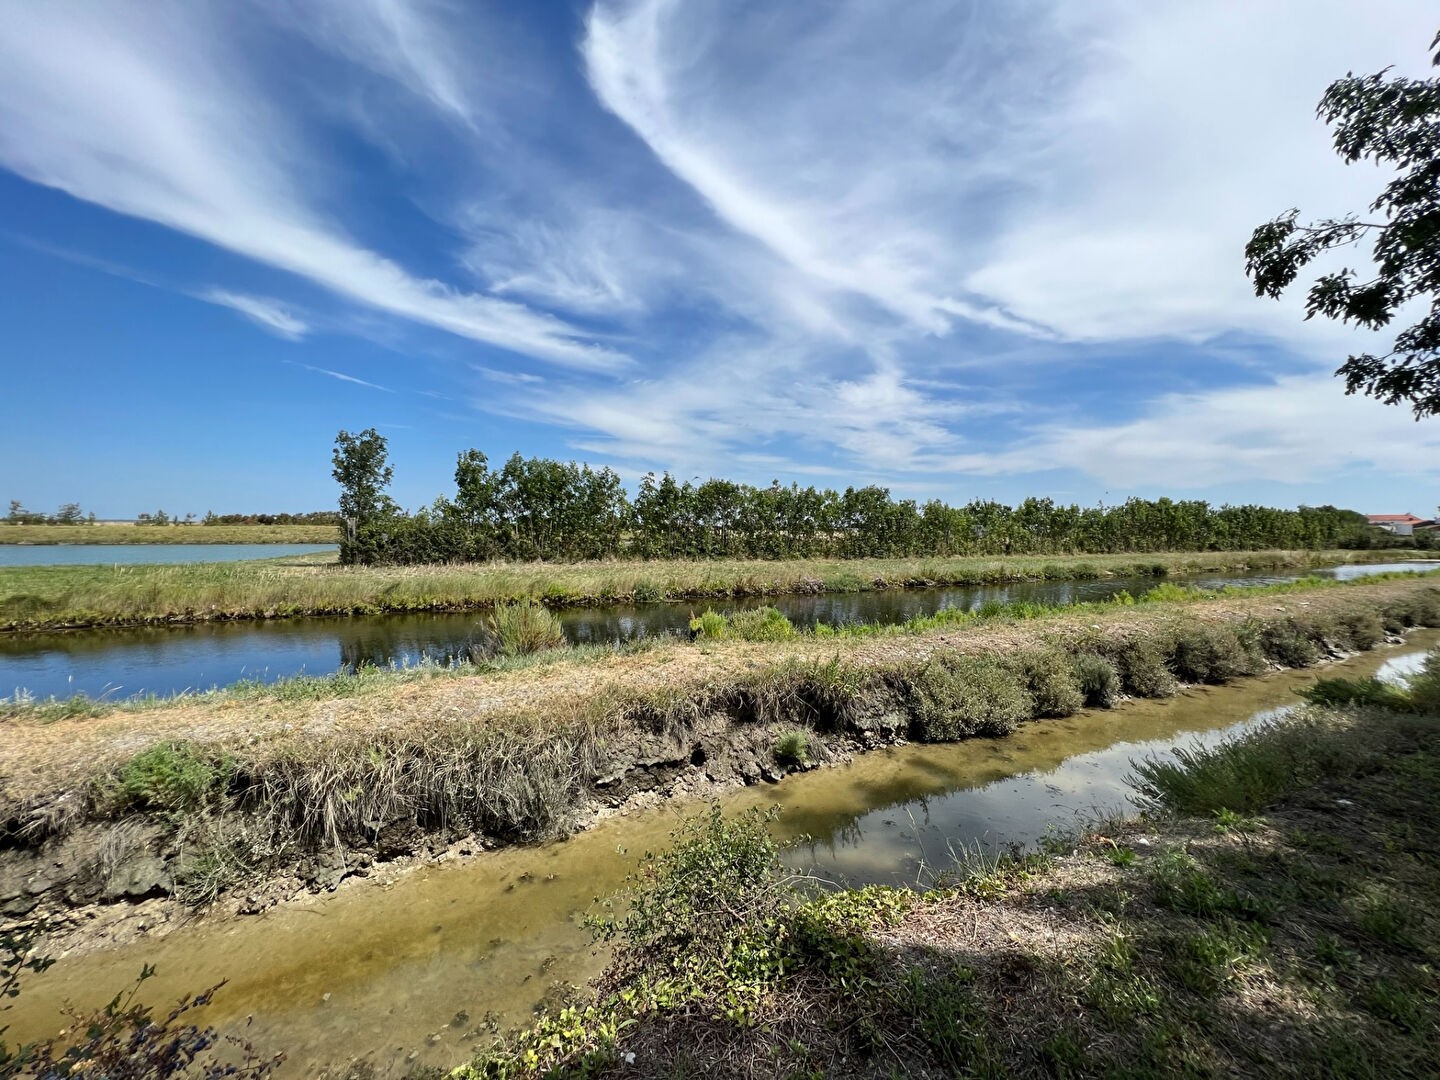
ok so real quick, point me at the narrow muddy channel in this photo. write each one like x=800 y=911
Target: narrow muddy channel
x=405 y=972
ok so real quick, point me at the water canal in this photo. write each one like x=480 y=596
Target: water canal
x=120 y=663
x=404 y=972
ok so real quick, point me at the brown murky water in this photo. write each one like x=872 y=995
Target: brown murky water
x=381 y=971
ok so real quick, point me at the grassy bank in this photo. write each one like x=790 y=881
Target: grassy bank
x=525 y=637
x=50 y=597
x=1275 y=914
x=234 y=786
x=169 y=534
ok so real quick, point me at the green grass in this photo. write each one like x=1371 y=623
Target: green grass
x=1250 y=771
x=168 y=534
x=42 y=597
x=1094 y=674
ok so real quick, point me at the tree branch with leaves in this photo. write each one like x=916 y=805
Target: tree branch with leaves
x=1393 y=122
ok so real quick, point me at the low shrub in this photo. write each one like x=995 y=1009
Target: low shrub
x=1288 y=642
x=1097 y=679
x=1211 y=654
x=1141 y=662
x=176 y=777
x=1421 y=609
x=522 y=628
x=647 y=592
x=956 y=696
x=1050 y=677
x=1361 y=630
x=721 y=878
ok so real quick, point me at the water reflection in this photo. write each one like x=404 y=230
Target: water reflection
x=152 y=554
x=169 y=660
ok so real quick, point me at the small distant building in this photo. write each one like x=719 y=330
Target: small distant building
x=1397 y=524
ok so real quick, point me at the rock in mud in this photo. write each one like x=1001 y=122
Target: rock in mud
x=137 y=879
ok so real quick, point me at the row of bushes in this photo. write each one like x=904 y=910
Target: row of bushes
x=1155 y=962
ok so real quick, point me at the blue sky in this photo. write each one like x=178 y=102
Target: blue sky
x=960 y=249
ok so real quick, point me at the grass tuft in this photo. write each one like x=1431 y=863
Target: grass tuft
x=521 y=629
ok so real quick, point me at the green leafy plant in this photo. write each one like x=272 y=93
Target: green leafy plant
x=792 y=749
x=175 y=776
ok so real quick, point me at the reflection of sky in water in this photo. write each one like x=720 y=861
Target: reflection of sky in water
x=906 y=842
x=895 y=845
x=1399 y=669
x=150 y=554
x=170 y=660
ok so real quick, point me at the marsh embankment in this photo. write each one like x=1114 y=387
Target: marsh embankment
x=69 y=597
x=143 y=661
x=209 y=797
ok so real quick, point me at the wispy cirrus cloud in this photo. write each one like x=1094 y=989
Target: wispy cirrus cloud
x=269 y=314
x=804 y=136
x=815 y=239
x=148 y=110
x=342 y=377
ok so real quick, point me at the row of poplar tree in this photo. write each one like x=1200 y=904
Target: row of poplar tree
x=536 y=508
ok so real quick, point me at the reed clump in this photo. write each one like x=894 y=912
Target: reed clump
x=521 y=629
x=753 y=624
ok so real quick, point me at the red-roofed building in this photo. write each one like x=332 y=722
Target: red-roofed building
x=1399 y=524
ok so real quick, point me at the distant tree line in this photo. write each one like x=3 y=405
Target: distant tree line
x=535 y=508
x=68 y=514
x=71 y=514
x=317 y=517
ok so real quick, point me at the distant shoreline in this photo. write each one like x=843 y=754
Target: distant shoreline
x=102 y=533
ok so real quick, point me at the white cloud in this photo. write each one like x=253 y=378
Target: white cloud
x=834 y=241
x=403 y=40
x=836 y=146
x=1300 y=429
x=1191 y=124
x=270 y=314
x=344 y=378
x=140 y=109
